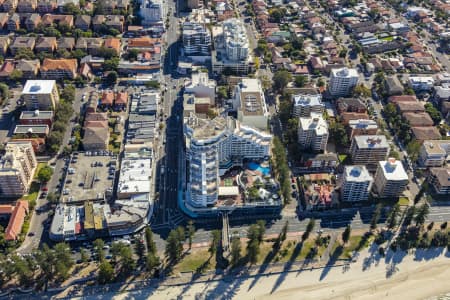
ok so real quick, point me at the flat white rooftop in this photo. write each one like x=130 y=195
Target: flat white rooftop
x=38 y=87
x=357 y=173
x=393 y=170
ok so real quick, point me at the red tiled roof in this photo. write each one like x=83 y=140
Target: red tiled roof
x=107 y=98
x=121 y=98
x=16 y=220
x=6 y=209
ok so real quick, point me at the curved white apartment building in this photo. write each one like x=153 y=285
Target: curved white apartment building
x=214 y=146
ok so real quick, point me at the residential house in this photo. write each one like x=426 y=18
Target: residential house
x=95 y=138
x=98 y=22
x=66 y=43
x=107 y=99
x=46 y=6
x=410 y=106
x=350 y=105
x=46 y=44
x=112 y=43
x=29 y=68
x=143 y=43
x=57 y=20
x=418 y=119
x=6 y=69
x=4 y=17
x=402 y=98
x=425 y=133
x=393 y=85
x=26 y=6
x=90 y=45
x=121 y=101
x=4 y=45
x=59 y=68
x=22 y=42
x=116 y=22
x=31 y=131
x=9 y=5
x=32 y=22
x=83 y=22
x=14 y=22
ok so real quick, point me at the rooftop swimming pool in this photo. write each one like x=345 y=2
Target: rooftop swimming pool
x=257 y=167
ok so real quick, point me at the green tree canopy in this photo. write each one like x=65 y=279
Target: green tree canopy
x=45 y=174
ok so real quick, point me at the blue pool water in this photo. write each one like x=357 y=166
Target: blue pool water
x=257 y=167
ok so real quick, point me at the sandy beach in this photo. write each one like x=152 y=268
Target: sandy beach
x=420 y=275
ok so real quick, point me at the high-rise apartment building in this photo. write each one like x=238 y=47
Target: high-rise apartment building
x=236 y=40
x=342 y=81
x=390 y=178
x=213 y=147
x=151 y=12
x=196 y=39
x=313 y=132
x=368 y=150
x=40 y=94
x=356 y=184
x=17 y=169
x=304 y=105
x=434 y=153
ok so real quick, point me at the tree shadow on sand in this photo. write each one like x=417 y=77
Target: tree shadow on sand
x=330 y=264
x=287 y=266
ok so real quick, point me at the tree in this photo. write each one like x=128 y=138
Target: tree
x=393 y=214
x=132 y=54
x=375 y=217
x=68 y=93
x=63 y=261
x=276 y=14
x=253 y=243
x=111 y=78
x=127 y=263
x=346 y=234
x=98 y=248
x=413 y=149
x=339 y=134
x=361 y=90
x=111 y=64
x=4 y=92
x=253 y=251
x=433 y=112
x=343 y=53
x=422 y=214
x=300 y=81
x=16 y=75
x=84 y=256
x=174 y=246
x=261 y=229
x=140 y=249
x=235 y=250
x=281 y=79
x=191 y=232
x=105 y=272
x=52 y=197
x=152 y=261
x=215 y=241
x=151 y=245
x=45 y=174
x=409 y=215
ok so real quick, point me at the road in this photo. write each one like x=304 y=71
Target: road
x=40 y=222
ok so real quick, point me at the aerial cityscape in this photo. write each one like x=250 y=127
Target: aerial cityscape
x=224 y=149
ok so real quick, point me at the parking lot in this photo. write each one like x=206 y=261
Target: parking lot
x=89 y=177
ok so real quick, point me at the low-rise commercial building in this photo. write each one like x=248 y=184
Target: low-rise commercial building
x=250 y=103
